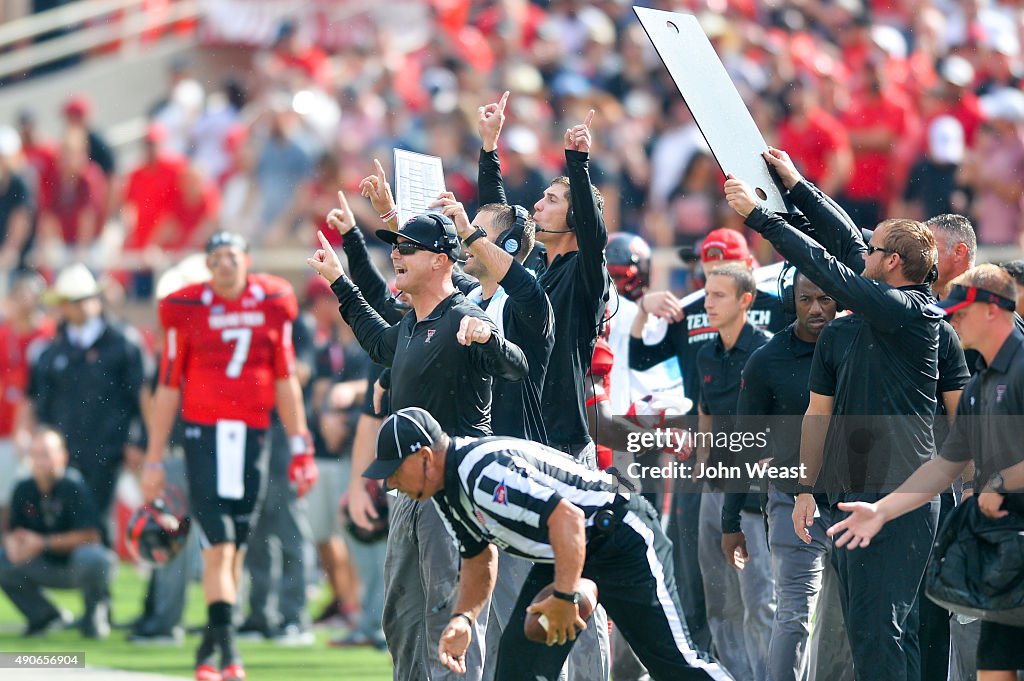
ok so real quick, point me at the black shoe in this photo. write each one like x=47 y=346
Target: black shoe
x=58 y=619
x=96 y=622
x=251 y=630
x=143 y=636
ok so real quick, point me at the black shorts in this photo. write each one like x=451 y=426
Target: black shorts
x=224 y=494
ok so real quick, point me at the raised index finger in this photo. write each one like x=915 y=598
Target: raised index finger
x=342 y=201
x=589 y=118
x=380 y=170
x=503 y=101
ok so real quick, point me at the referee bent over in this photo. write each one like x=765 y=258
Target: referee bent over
x=536 y=503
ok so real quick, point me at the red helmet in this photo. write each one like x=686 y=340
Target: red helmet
x=157 y=532
x=629 y=263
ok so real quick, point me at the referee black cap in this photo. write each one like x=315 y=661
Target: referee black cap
x=403 y=434
x=226 y=238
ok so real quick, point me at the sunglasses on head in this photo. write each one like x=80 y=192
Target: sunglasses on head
x=407 y=248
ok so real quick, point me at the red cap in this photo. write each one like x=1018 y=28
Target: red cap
x=724 y=244
x=317 y=287
x=156 y=133
x=77 y=106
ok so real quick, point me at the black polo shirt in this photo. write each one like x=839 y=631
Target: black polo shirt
x=429 y=367
x=577 y=286
x=990 y=415
x=774 y=397
x=69 y=506
x=721 y=373
x=528 y=321
x=685 y=338
x=880 y=364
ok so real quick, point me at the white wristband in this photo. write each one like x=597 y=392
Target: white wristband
x=299 y=444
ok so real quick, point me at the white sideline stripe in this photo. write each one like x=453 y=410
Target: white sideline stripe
x=668 y=607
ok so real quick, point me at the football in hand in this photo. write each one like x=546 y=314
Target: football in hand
x=535 y=626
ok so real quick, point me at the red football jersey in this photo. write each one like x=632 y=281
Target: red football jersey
x=17 y=352
x=226 y=355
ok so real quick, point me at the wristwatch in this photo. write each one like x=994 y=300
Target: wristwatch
x=996 y=483
x=571 y=597
x=468 y=241
x=804 y=489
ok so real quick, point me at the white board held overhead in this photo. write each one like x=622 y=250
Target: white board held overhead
x=714 y=101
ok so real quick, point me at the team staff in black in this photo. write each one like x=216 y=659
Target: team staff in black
x=54 y=542
x=878 y=369
x=739 y=604
x=571 y=226
x=514 y=300
x=442 y=354
x=956 y=246
x=987 y=430
x=688 y=331
x=773 y=398
x=536 y=503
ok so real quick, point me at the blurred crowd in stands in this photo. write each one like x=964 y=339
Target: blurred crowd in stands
x=908 y=107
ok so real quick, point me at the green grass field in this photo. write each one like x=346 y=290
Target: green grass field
x=263 y=661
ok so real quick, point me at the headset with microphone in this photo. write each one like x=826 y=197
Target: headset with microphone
x=512 y=239
x=570 y=220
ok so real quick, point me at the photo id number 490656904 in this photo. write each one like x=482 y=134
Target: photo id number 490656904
x=41 y=660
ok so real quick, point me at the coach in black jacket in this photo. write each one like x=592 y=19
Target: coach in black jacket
x=571 y=225
x=442 y=354
x=878 y=370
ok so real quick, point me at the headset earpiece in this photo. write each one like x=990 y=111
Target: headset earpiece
x=787 y=291
x=450 y=240
x=511 y=240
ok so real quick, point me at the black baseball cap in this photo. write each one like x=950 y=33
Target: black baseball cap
x=226 y=238
x=961 y=296
x=433 y=231
x=403 y=434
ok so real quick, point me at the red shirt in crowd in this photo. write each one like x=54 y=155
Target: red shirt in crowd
x=873 y=172
x=69 y=201
x=601 y=367
x=16 y=349
x=152 y=190
x=811 y=145
x=190 y=214
x=226 y=355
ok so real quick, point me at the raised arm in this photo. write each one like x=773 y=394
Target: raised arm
x=831 y=226
x=365 y=274
x=375 y=335
x=490 y=185
x=880 y=303
x=591 y=232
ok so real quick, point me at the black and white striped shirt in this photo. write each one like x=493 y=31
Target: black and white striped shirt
x=501 y=490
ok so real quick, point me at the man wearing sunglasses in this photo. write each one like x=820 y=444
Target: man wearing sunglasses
x=443 y=356
x=878 y=368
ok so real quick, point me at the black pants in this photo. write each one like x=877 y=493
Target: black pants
x=878 y=590
x=632 y=566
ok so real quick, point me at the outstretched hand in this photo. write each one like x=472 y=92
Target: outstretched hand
x=376 y=188
x=577 y=138
x=447 y=204
x=325 y=261
x=740 y=196
x=863 y=523
x=341 y=219
x=490 y=118
x=783 y=165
